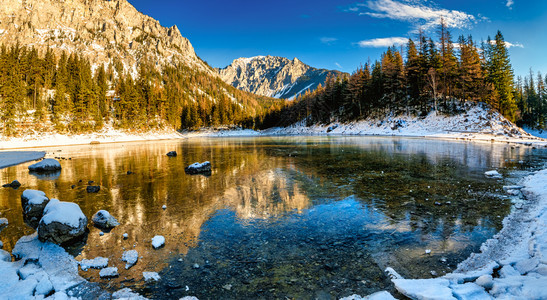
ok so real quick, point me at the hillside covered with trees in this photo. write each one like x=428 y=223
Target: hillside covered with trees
x=428 y=76
x=69 y=95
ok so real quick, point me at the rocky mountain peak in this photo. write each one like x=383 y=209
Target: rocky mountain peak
x=273 y=76
x=101 y=29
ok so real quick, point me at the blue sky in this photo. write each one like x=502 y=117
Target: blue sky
x=343 y=34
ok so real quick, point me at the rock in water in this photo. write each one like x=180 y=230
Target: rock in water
x=93 y=189
x=62 y=222
x=46 y=165
x=96 y=263
x=158 y=241
x=130 y=257
x=14 y=185
x=172 y=154
x=198 y=168
x=103 y=219
x=33 y=203
x=493 y=174
x=3 y=223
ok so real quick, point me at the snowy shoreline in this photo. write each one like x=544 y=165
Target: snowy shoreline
x=477 y=124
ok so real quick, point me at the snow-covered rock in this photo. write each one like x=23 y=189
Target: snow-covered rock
x=125 y=236
x=492 y=174
x=103 y=219
x=149 y=276
x=96 y=263
x=424 y=289
x=46 y=165
x=485 y=281
x=382 y=295
x=158 y=241
x=109 y=272
x=1 y=245
x=127 y=293
x=33 y=202
x=130 y=257
x=196 y=168
x=62 y=222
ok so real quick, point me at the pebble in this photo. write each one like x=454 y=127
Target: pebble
x=195 y=266
x=164 y=207
x=427 y=251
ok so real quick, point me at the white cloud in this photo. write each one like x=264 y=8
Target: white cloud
x=509 y=4
x=383 y=42
x=509 y=44
x=338 y=65
x=328 y=40
x=414 y=11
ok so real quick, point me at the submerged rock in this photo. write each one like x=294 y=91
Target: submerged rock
x=130 y=257
x=33 y=202
x=62 y=222
x=46 y=165
x=198 y=168
x=93 y=189
x=14 y=185
x=172 y=153
x=103 y=219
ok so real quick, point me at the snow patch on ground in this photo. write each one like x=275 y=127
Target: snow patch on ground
x=536 y=132
x=12 y=158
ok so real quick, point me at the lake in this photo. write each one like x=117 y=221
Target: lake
x=296 y=217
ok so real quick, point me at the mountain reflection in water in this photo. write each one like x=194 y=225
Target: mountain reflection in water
x=280 y=217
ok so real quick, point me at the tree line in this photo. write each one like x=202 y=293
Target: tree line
x=68 y=94
x=428 y=76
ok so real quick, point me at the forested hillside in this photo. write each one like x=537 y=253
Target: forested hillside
x=45 y=92
x=433 y=75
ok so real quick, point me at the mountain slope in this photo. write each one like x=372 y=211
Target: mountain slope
x=101 y=30
x=274 y=76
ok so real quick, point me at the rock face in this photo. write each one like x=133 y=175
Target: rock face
x=62 y=222
x=199 y=168
x=274 y=76
x=46 y=165
x=33 y=202
x=103 y=219
x=101 y=29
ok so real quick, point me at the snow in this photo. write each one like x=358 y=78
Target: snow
x=34 y=197
x=48 y=164
x=12 y=158
x=96 y=263
x=62 y=212
x=382 y=295
x=149 y=276
x=158 y=241
x=127 y=293
x=130 y=257
x=536 y=132
x=424 y=289
x=109 y=272
x=477 y=124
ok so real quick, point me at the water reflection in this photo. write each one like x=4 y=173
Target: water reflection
x=280 y=217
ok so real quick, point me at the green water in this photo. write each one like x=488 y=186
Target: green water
x=317 y=217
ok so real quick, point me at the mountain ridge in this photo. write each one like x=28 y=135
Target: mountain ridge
x=274 y=76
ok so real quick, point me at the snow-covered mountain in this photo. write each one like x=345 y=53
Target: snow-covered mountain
x=101 y=29
x=274 y=76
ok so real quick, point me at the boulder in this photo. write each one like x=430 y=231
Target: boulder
x=103 y=219
x=172 y=153
x=93 y=188
x=198 y=168
x=46 y=165
x=62 y=222
x=14 y=185
x=3 y=223
x=33 y=202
